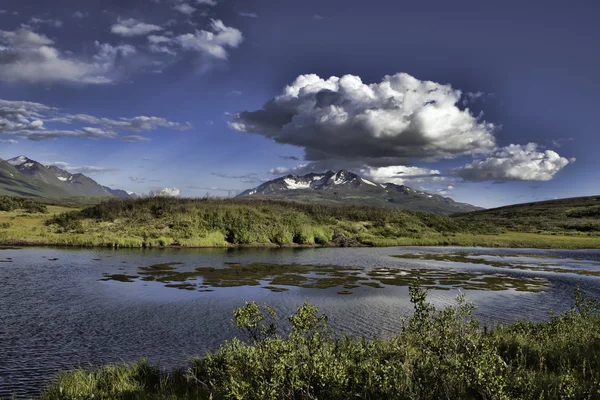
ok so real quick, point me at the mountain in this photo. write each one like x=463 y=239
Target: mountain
x=14 y=183
x=344 y=187
x=26 y=177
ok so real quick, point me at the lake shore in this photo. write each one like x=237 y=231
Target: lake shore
x=507 y=240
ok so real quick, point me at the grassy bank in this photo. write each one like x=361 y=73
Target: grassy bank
x=161 y=222
x=439 y=354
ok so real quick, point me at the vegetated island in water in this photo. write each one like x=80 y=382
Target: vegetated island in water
x=438 y=355
x=170 y=222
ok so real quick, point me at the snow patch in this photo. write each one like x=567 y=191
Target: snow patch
x=17 y=160
x=368 y=182
x=293 y=184
x=62 y=178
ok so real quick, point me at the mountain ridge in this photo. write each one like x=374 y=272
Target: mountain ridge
x=23 y=176
x=345 y=187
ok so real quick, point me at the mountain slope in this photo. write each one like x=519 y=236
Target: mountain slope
x=344 y=187
x=14 y=183
x=26 y=177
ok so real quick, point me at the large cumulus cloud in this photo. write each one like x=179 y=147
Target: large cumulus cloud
x=383 y=129
x=514 y=162
x=399 y=119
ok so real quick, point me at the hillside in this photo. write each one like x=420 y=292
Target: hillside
x=160 y=222
x=578 y=215
x=347 y=188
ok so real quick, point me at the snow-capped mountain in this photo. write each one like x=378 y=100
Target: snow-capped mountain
x=39 y=178
x=349 y=188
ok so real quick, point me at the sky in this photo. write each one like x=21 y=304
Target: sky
x=490 y=104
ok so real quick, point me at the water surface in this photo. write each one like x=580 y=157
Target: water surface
x=61 y=308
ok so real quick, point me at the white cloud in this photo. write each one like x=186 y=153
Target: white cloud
x=26 y=56
x=207 y=2
x=55 y=23
x=82 y=169
x=514 y=162
x=79 y=14
x=301 y=169
x=212 y=44
x=185 y=8
x=166 y=192
x=161 y=44
x=382 y=128
x=248 y=14
x=401 y=174
x=132 y=27
x=9 y=141
x=387 y=123
x=318 y=17
x=135 y=139
x=29 y=120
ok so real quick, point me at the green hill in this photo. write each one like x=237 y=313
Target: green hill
x=574 y=216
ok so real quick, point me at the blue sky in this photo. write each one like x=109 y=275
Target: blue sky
x=489 y=105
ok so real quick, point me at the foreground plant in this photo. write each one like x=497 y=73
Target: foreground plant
x=439 y=354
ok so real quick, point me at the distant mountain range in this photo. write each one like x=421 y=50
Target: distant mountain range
x=344 y=187
x=22 y=176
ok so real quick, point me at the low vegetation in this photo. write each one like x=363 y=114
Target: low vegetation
x=11 y=203
x=438 y=354
x=160 y=222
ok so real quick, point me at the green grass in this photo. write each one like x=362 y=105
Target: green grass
x=439 y=354
x=162 y=222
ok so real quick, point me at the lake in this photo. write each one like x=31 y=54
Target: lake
x=61 y=308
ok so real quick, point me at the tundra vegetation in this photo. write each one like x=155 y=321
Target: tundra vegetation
x=438 y=354
x=160 y=222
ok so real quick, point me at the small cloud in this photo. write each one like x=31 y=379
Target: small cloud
x=165 y=192
x=207 y=2
x=55 y=23
x=289 y=158
x=248 y=14
x=185 y=8
x=210 y=122
x=79 y=14
x=234 y=93
x=135 y=139
x=131 y=27
x=318 y=17
x=82 y=169
x=8 y=141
